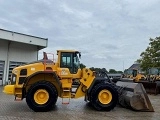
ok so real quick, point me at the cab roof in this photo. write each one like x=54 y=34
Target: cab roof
x=67 y=51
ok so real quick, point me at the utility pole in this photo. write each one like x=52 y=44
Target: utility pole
x=123 y=66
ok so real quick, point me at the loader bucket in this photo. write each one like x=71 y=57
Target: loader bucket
x=133 y=96
x=151 y=87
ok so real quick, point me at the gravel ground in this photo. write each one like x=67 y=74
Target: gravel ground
x=76 y=110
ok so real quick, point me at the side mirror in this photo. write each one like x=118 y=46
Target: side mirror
x=79 y=55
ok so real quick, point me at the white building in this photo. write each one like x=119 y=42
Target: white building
x=16 y=49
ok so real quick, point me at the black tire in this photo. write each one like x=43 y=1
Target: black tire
x=53 y=95
x=94 y=97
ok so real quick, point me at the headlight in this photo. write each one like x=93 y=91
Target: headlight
x=14 y=79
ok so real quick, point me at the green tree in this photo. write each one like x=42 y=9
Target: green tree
x=98 y=69
x=119 y=72
x=82 y=65
x=112 y=71
x=151 y=56
x=95 y=69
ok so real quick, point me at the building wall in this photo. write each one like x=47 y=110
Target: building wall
x=16 y=52
x=22 y=52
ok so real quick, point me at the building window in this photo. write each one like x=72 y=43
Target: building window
x=1 y=71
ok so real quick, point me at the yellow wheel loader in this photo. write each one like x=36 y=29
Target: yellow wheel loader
x=43 y=81
x=152 y=81
x=133 y=75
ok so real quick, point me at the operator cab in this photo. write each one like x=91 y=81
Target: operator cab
x=134 y=72
x=70 y=60
x=153 y=71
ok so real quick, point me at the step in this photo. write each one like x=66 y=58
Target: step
x=73 y=95
x=73 y=91
x=75 y=86
x=66 y=96
x=66 y=90
x=65 y=100
x=17 y=99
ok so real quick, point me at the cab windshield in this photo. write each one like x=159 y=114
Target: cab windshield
x=128 y=72
x=153 y=71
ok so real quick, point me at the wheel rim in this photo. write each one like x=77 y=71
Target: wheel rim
x=105 y=96
x=41 y=96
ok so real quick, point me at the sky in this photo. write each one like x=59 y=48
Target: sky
x=110 y=34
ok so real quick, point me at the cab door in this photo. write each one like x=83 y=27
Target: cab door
x=69 y=60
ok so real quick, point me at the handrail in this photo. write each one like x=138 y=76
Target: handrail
x=45 y=57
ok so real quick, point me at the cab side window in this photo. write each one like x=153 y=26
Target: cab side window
x=70 y=61
x=66 y=60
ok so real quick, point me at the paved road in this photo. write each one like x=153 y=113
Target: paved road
x=76 y=110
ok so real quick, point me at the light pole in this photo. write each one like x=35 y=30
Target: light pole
x=123 y=66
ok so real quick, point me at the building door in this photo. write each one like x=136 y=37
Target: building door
x=1 y=71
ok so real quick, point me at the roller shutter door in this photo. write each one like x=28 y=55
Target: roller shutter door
x=1 y=71
x=12 y=65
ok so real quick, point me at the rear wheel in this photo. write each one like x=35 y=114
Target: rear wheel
x=104 y=96
x=41 y=96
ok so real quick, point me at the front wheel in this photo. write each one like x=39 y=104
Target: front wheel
x=104 y=96
x=41 y=96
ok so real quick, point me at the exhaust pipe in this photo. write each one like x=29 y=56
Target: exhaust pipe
x=133 y=96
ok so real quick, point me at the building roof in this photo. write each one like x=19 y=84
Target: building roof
x=23 y=38
x=135 y=66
